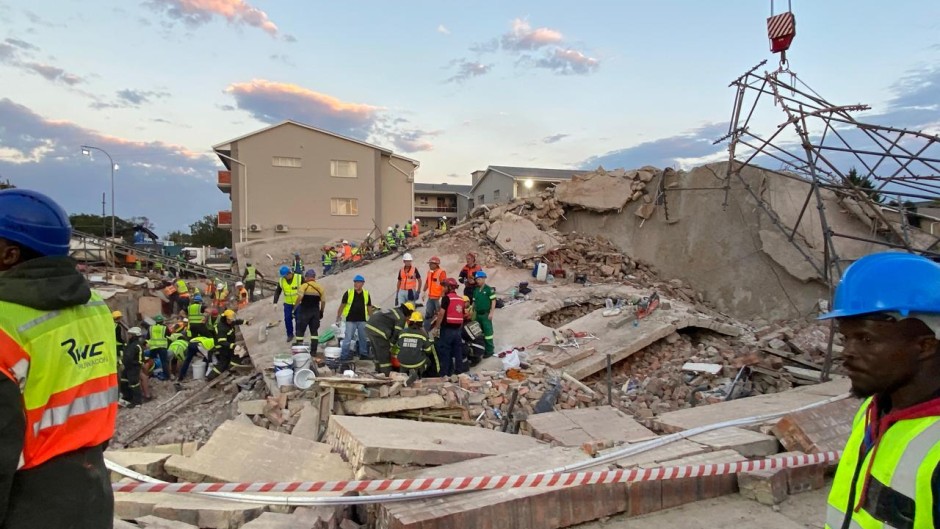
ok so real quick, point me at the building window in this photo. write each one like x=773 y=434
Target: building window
x=482 y=199
x=495 y=195
x=344 y=206
x=343 y=169
x=423 y=200
x=284 y=161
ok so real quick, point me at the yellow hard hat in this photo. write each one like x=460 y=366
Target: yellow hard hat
x=416 y=317
x=117 y=315
x=229 y=313
x=409 y=305
x=466 y=299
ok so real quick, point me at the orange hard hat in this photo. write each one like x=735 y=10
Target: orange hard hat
x=434 y=260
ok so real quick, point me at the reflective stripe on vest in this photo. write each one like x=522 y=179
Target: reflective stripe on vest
x=408 y=280
x=289 y=289
x=181 y=286
x=906 y=457
x=65 y=365
x=327 y=259
x=157 y=337
x=349 y=300
x=454 y=313
x=435 y=288
x=250 y=273
x=195 y=313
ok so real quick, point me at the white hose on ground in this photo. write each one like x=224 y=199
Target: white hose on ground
x=638 y=448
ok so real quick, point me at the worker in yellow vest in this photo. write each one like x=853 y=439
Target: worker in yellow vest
x=181 y=299
x=158 y=343
x=251 y=275
x=355 y=307
x=58 y=375
x=288 y=285
x=888 y=309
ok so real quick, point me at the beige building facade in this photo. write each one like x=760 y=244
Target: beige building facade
x=292 y=179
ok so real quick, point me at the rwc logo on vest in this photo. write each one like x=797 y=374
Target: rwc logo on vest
x=80 y=353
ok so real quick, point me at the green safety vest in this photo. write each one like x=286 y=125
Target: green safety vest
x=250 y=273
x=349 y=299
x=327 y=258
x=178 y=349
x=195 y=313
x=158 y=265
x=901 y=475
x=390 y=238
x=207 y=343
x=157 y=337
x=138 y=265
x=181 y=287
x=289 y=289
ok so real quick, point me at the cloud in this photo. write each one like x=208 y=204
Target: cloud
x=554 y=138
x=22 y=44
x=290 y=38
x=664 y=152
x=139 y=97
x=44 y=154
x=18 y=54
x=522 y=37
x=53 y=73
x=442 y=29
x=412 y=140
x=568 y=62
x=467 y=70
x=282 y=57
x=200 y=12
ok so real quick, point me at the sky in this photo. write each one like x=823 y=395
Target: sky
x=456 y=85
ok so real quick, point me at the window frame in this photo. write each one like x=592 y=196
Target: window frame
x=274 y=160
x=335 y=164
x=353 y=203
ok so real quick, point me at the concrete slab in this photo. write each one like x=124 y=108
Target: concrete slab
x=200 y=511
x=149 y=306
x=596 y=191
x=746 y=442
x=576 y=427
x=152 y=522
x=273 y=520
x=180 y=449
x=819 y=429
x=657 y=456
x=373 y=440
x=121 y=524
x=308 y=425
x=521 y=236
x=147 y=463
x=241 y=452
x=377 y=406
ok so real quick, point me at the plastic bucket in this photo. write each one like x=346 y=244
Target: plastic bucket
x=284 y=377
x=199 y=370
x=339 y=330
x=332 y=353
x=304 y=378
x=299 y=348
x=281 y=364
x=301 y=361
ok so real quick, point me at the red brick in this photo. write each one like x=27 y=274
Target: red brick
x=645 y=497
x=819 y=429
x=764 y=486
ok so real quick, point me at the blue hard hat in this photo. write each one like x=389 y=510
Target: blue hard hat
x=359 y=279
x=888 y=282
x=197 y=298
x=34 y=221
x=284 y=270
x=479 y=273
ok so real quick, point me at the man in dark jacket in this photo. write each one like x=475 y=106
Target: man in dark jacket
x=382 y=331
x=225 y=333
x=56 y=342
x=132 y=359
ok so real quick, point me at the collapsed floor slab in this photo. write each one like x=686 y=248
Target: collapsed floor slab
x=203 y=512
x=587 y=425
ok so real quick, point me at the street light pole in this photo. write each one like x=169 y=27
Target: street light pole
x=242 y=232
x=86 y=151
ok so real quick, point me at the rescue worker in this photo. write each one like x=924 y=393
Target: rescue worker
x=467 y=274
x=132 y=358
x=117 y=317
x=409 y=280
x=297 y=266
x=390 y=240
x=251 y=275
x=355 y=308
x=241 y=294
x=326 y=259
x=399 y=236
x=308 y=309
x=200 y=345
x=346 y=251
x=56 y=422
x=177 y=350
x=210 y=290
x=288 y=284
x=414 y=229
x=432 y=291
x=484 y=303
x=888 y=309
x=443 y=225
x=382 y=331
x=197 y=318
x=407 y=229
x=449 y=325
x=182 y=296
x=220 y=296
x=158 y=343
x=414 y=353
x=225 y=343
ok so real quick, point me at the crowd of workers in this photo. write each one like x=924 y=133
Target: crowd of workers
x=394 y=239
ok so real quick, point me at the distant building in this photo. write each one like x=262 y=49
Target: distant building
x=433 y=201
x=500 y=184
x=295 y=179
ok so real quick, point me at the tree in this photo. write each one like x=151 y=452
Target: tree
x=206 y=232
x=180 y=238
x=864 y=183
x=101 y=226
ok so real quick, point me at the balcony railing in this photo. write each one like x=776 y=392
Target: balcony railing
x=435 y=209
x=224 y=219
x=225 y=180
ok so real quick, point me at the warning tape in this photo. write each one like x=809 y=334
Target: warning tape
x=491 y=482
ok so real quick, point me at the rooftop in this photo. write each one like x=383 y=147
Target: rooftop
x=421 y=187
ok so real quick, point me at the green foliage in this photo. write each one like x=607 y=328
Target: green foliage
x=206 y=232
x=864 y=182
x=101 y=226
x=180 y=238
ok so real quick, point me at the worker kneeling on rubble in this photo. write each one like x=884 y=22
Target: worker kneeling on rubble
x=225 y=341
x=199 y=345
x=58 y=375
x=414 y=350
x=888 y=310
x=382 y=331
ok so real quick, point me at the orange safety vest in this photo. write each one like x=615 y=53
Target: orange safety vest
x=71 y=392
x=407 y=280
x=242 y=297
x=434 y=283
x=414 y=230
x=347 y=252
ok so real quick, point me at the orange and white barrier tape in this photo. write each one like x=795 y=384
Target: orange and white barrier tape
x=490 y=482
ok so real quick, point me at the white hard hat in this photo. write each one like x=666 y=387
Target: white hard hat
x=444 y=217
x=239 y=284
x=135 y=331
x=390 y=228
x=407 y=257
x=345 y=241
x=185 y=320
x=220 y=285
x=417 y=221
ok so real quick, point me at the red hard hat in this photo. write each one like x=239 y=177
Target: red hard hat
x=434 y=260
x=450 y=282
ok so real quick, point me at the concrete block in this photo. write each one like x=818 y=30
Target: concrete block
x=764 y=486
x=144 y=462
x=372 y=440
x=378 y=406
x=149 y=306
x=746 y=442
x=121 y=524
x=271 y=520
x=319 y=516
x=178 y=449
x=818 y=429
x=252 y=407
x=240 y=452
x=152 y=522
x=202 y=512
x=805 y=478
x=586 y=425
x=656 y=457
x=308 y=425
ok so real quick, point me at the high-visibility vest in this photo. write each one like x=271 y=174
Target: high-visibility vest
x=195 y=313
x=434 y=283
x=390 y=239
x=204 y=342
x=347 y=252
x=242 y=297
x=900 y=492
x=289 y=289
x=157 y=337
x=413 y=349
x=327 y=258
x=221 y=295
x=178 y=349
x=349 y=299
x=182 y=287
x=454 y=312
x=408 y=280
x=414 y=230
x=250 y=273
x=138 y=265
x=71 y=393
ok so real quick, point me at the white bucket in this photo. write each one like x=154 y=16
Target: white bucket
x=280 y=364
x=199 y=370
x=301 y=361
x=339 y=330
x=284 y=377
x=332 y=353
x=299 y=348
x=541 y=272
x=304 y=378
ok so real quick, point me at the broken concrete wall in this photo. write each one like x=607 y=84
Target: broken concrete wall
x=735 y=256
